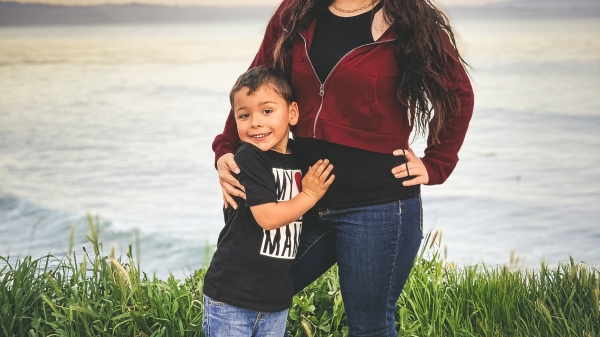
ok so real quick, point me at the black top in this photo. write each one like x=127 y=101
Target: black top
x=361 y=177
x=252 y=267
x=335 y=36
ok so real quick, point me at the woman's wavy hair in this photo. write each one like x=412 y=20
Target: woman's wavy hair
x=424 y=62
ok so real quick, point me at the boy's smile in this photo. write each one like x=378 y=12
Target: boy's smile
x=264 y=117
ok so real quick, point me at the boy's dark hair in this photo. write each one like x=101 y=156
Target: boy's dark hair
x=256 y=77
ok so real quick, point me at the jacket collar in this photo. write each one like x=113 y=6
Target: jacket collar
x=309 y=32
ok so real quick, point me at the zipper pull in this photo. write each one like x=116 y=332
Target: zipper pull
x=322 y=90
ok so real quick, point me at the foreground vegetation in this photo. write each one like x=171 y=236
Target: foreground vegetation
x=105 y=296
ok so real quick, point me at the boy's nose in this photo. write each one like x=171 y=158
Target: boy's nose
x=256 y=123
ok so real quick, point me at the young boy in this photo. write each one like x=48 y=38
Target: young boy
x=248 y=287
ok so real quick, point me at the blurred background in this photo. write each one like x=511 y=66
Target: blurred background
x=110 y=108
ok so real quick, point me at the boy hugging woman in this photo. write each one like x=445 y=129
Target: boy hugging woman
x=248 y=287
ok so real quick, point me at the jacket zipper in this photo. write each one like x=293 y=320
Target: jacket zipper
x=322 y=85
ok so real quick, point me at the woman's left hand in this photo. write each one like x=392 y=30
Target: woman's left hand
x=414 y=168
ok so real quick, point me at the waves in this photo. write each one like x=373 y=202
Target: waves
x=30 y=230
x=26 y=229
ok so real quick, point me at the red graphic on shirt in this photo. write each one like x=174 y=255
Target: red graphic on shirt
x=298 y=177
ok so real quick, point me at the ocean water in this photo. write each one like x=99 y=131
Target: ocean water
x=117 y=121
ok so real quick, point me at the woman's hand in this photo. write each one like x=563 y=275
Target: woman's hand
x=413 y=167
x=230 y=186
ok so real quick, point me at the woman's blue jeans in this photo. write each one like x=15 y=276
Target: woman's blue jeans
x=375 y=249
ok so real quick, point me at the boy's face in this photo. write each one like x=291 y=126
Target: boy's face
x=264 y=118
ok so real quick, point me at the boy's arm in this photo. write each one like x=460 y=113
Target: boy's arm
x=314 y=185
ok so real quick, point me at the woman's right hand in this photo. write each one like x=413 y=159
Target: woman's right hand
x=230 y=186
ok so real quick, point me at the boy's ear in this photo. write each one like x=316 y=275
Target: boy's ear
x=294 y=113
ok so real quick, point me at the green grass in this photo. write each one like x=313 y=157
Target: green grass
x=103 y=295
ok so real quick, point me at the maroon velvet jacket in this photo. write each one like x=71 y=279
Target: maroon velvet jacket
x=357 y=105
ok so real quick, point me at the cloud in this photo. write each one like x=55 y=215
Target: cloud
x=220 y=3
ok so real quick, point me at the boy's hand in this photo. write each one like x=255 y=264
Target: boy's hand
x=317 y=180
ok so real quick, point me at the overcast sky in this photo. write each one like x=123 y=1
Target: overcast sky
x=220 y=2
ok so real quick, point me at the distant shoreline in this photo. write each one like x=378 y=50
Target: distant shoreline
x=17 y=14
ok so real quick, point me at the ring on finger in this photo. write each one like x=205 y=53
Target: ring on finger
x=406 y=163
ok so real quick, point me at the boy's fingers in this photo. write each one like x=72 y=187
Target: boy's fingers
x=326 y=173
x=313 y=168
x=322 y=166
x=329 y=181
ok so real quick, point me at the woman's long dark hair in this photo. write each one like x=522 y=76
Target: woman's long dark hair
x=426 y=65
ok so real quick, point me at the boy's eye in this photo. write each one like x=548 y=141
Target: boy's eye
x=267 y=111
x=243 y=115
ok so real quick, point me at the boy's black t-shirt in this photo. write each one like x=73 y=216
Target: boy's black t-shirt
x=252 y=267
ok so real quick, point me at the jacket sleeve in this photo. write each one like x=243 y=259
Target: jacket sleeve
x=227 y=142
x=440 y=159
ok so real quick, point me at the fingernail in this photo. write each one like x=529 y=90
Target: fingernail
x=236 y=171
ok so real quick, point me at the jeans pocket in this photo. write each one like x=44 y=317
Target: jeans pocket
x=410 y=204
x=216 y=303
x=210 y=301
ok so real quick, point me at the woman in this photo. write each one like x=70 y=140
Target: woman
x=365 y=73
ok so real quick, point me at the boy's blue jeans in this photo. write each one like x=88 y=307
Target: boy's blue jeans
x=374 y=247
x=224 y=320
